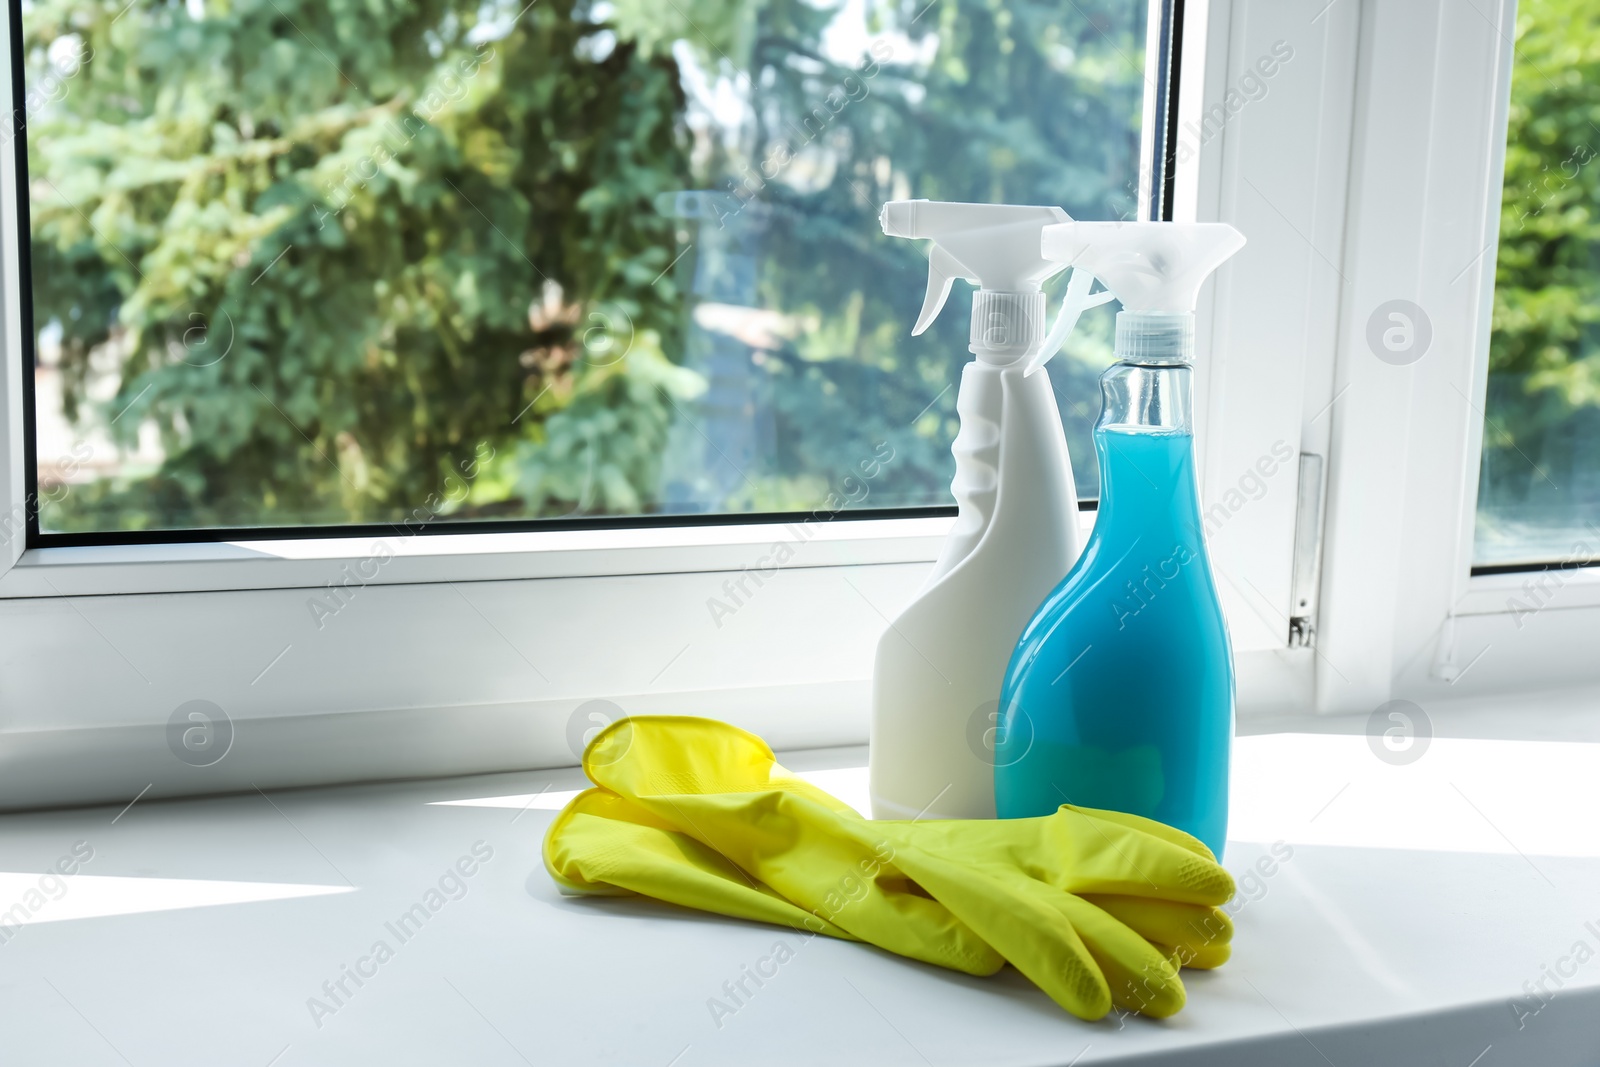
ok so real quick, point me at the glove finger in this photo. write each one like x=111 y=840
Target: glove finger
x=1022 y=919
x=1206 y=958
x=599 y=844
x=1141 y=976
x=1192 y=934
x=1170 y=834
x=1111 y=857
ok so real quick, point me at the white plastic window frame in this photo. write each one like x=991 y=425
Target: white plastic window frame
x=1403 y=617
x=479 y=652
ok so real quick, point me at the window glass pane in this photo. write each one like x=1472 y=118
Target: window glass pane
x=1539 y=489
x=302 y=263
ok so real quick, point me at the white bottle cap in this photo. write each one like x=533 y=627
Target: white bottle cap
x=1155 y=336
x=1006 y=324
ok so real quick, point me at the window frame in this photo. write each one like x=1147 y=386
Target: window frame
x=474 y=651
x=461 y=652
x=1404 y=613
x=427 y=550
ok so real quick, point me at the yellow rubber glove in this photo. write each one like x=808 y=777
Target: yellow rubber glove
x=602 y=845
x=925 y=889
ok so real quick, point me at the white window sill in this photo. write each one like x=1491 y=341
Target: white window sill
x=1417 y=901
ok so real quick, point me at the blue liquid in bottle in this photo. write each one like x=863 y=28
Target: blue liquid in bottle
x=1120 y=692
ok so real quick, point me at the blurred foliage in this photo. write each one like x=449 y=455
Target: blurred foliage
x=1016 y=102
x=339 y=251
x=1542 y=441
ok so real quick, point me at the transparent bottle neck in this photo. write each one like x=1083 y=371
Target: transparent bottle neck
x=1136 y=399
x=1149 y=389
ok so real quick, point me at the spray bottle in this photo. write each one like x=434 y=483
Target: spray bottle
x=1120 y=692
x=939 y=664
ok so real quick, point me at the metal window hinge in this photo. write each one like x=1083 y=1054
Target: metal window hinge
x=1307 y=576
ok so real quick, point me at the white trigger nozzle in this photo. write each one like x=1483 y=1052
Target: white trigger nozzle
x=943 y=270
x=1073 y=305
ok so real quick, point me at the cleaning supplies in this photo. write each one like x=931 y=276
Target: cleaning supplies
x=1097 y=908
x=940 y=663
x=1120 y=692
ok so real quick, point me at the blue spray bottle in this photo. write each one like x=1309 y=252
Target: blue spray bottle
x=1119 y=694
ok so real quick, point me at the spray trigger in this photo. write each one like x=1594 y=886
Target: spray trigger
x=943 y=270
x=1073 y=305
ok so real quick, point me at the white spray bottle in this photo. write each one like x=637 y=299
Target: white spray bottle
x=936 y=684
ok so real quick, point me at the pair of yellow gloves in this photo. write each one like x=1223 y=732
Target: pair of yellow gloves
x=1097 y=908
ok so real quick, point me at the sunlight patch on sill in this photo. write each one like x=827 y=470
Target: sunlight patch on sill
x=1455 y=794
x=28 y=897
